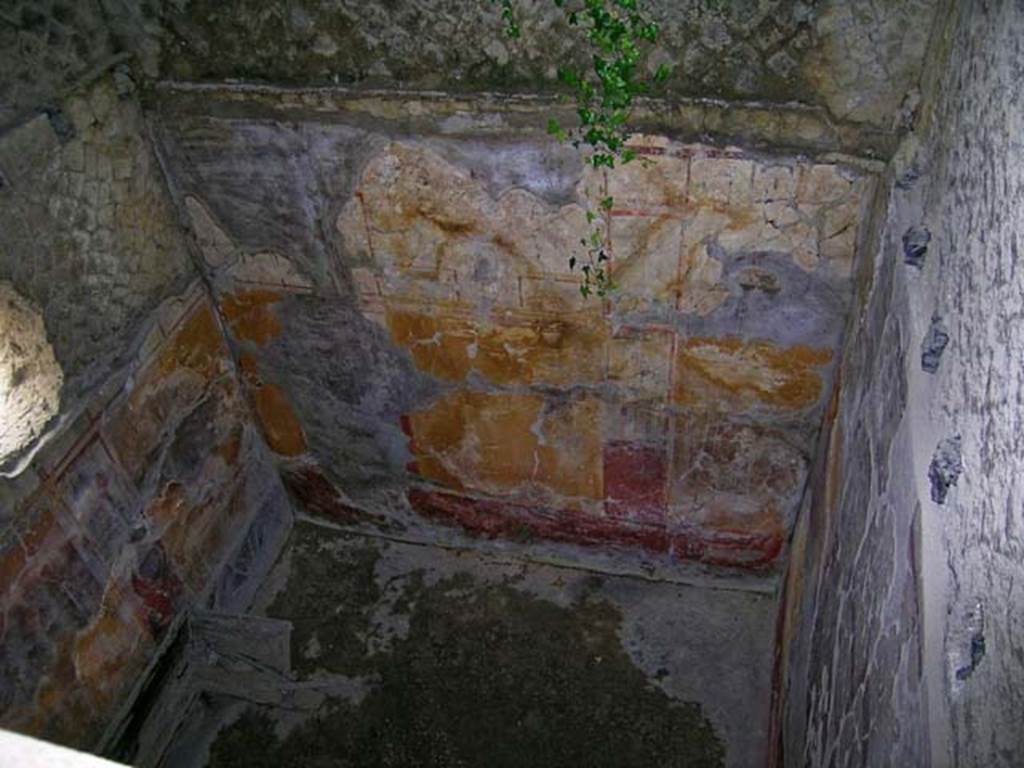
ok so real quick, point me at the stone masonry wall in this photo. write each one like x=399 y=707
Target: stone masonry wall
x=901 y=632
x=46 y=49
x=87 y=232
x=150 y=489
x=857 y=59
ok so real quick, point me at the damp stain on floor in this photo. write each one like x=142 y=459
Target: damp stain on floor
x=464 y=662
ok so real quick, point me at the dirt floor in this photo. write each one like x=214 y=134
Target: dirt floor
x=406 y=655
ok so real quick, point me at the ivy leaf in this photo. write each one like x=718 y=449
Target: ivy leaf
x=619 y=34
x=555 y=129
x=568 y=76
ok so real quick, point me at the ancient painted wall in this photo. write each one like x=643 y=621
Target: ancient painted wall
x=420 y=354
x=145 y=488
x=134 y=515
x=901 y=637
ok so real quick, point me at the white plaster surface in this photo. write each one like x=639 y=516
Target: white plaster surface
x=24 y=752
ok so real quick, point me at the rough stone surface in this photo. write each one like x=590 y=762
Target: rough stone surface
x=46 y=48
x=934 y=345
x=409 y=656
x=420 y=335
x=87 y=232
x=901 y=632
x=868 y=58
x=30 y=378
x=915 y=246
x=978 y=284
x=857 y=59
x=946 y=467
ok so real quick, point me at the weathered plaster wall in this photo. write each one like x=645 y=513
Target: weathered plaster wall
x=150 y=490
x=901 y=636
x=160 y=497
x=418 y=352
x=851 y=636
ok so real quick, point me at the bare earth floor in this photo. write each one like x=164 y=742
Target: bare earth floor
x=394 y=654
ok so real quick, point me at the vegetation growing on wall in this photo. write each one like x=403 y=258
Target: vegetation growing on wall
x=619 y=35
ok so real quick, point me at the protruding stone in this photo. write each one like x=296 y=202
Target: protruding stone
x=62 y=127
x=124 y=85
x=946 y=468
x=30 y=376
x=975 y=631
x=934 y=344
x=915 y=246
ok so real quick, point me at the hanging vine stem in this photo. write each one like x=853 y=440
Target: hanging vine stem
x=620 y=35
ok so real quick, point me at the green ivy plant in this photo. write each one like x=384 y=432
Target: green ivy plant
x=619 y=34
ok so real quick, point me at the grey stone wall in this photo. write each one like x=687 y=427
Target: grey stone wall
x=87 y=231
x=858 y=59
x=901 y=631
x=46 y=47
x=975 y=281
